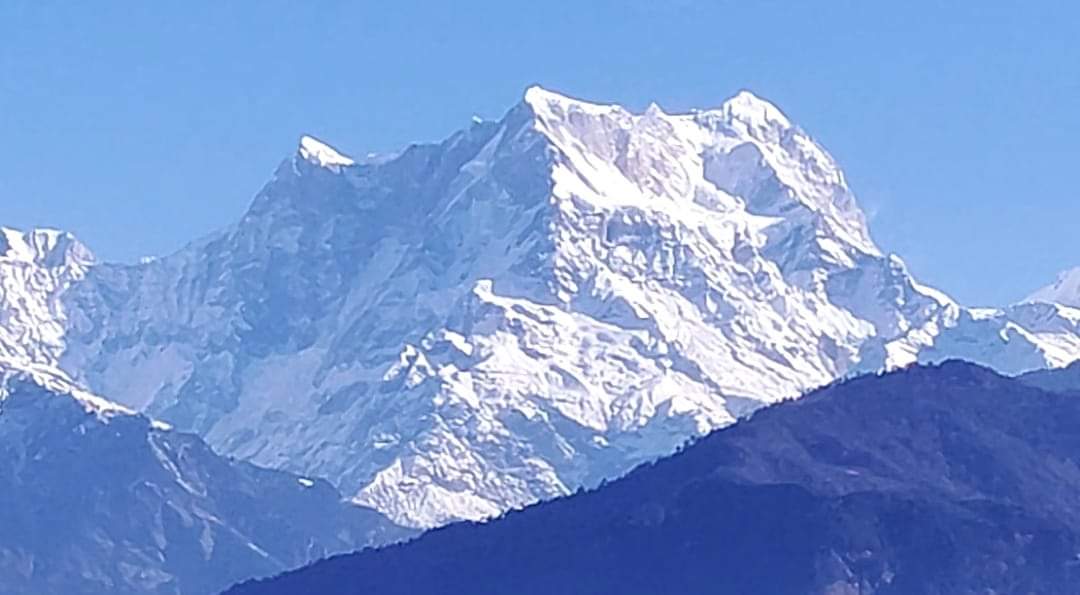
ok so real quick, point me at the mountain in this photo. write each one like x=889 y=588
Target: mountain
x=939 y=480
x=35 y=267
x=1065 y=290
x=98 y=499
x=535 y=304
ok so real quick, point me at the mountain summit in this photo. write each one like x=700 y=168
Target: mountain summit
x=532 y=305
x=320 y=153
x=1065 y=290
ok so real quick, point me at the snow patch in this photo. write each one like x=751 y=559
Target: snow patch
x=322 y=154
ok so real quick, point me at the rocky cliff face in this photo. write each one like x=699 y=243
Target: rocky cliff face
x=535 y=304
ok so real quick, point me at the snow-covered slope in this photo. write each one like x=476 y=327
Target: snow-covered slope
x=34 y=268
x=1065 y=290
x=97 y=499
x=534 y=304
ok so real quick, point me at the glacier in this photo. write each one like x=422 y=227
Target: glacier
x=533 y=305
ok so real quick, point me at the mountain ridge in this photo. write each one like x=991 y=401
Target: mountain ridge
x=531 y=305
x=931 y=479
x=98 y=498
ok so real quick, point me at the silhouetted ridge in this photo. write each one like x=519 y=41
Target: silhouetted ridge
x=945 y=479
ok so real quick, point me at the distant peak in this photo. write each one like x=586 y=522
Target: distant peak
x=322 y=154
x=536 y=94
x=43 y=246
x=755 y=111
x=1065 y=290
x=543 y=101
x=745 y=107
x=1073 y=273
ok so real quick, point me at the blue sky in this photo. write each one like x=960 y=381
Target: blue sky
x=142 y=125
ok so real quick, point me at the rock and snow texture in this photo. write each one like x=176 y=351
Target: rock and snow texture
x=35 y=267
x=535 y=304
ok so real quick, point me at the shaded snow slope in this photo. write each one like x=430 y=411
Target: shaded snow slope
x=97 y=499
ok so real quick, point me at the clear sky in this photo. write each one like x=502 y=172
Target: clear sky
x=141 y=125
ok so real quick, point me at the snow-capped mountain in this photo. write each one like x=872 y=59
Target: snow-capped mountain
x=534 y=304
x=1065 y=290
x=34 y=268
x=98 y=499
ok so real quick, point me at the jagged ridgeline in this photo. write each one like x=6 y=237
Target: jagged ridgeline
x=535 y=304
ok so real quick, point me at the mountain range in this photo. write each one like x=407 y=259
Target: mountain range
x=535 y=304
x=947 y=479
x=532 y=305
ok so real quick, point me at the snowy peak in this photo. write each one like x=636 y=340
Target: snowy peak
x=528 y=306
x=745 y=107
x=35 y=268
x=319 y=153
x=758 y=115
x=545 y=101
x=746 y=149
x=1065 y=290
x=50 y=248
x=787 y=170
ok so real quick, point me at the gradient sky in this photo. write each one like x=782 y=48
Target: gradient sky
x=142 y=125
